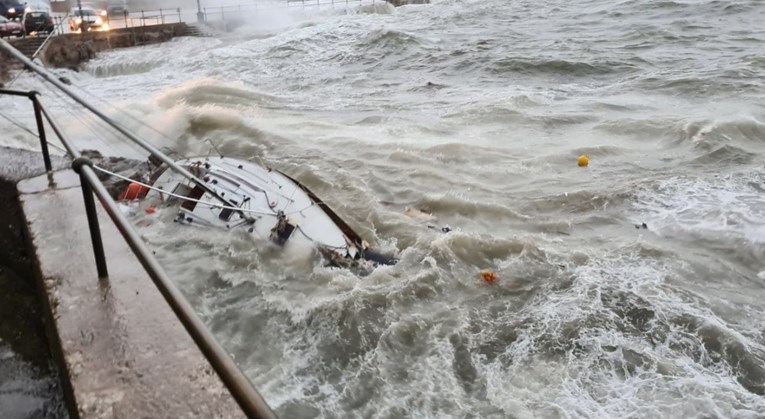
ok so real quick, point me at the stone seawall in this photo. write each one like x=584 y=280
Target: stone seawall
x=6 y=65
x=72 y=50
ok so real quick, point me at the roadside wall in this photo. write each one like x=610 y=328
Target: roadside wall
x=6 y=65
x=71 y=50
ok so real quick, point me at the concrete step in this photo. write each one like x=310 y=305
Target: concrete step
x=28 y=45
x=200 y=29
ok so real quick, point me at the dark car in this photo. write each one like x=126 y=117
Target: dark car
x=9 y=28
x=38 y=22
x=11 y=9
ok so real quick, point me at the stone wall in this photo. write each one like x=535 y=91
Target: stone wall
x=71 y=50
x=398 y=3
x=7 y=65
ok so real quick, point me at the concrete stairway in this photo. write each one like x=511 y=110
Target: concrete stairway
x=28 y=45
x=200 y=29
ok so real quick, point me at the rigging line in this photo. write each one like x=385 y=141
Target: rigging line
x=60 y=24
x=294 y=190
x=34 y=134
x=130 y=116
x=144 y=144
x=18 y=124
x=181 y=197
x=16 y=76
x=126 y=113
x=59 y=148
x=142 y=123
x=88 y=122
x=321 y=243
x=301 y=210
x=60 y=103
x=264 y=188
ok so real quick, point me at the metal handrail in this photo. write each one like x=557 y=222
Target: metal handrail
x=251 y=402
x=245 y=394
x=50 y=35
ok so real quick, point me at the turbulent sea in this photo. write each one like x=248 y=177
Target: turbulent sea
x=475 y=112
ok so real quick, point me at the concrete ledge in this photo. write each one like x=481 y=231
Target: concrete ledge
x=123 y=353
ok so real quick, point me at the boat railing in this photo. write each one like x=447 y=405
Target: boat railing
x=242 y=390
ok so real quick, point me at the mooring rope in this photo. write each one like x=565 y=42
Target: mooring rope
x=18 y=124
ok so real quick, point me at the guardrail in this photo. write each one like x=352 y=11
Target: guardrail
x=248 y=398
x=145 y=18
x=221 y=12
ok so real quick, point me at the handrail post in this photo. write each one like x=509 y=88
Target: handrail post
x=41 y=131
x=90 y=210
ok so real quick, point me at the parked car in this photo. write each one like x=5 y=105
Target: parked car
x=86 y=18
x=38 y=22
x=11 y=9
x=10 y=28
x=97 y=7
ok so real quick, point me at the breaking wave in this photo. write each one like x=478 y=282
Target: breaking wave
x=449 y=135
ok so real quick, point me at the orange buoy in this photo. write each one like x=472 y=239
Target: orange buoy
x=584 y=160
x=151 y=210
x=134 y=191
x=487 y=275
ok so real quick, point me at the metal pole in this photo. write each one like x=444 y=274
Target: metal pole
x=90 y=210
x=41 y=131
x=200 y=15
x=83 y=22
x=251 y=402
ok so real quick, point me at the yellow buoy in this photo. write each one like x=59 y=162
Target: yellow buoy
x=583 y=160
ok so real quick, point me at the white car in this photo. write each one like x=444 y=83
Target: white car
x=87 y=18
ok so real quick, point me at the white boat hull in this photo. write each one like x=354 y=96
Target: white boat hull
x=264 y=202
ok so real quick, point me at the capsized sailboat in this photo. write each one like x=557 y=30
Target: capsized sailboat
x=238 y=194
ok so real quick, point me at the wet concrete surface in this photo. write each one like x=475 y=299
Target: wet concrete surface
x=123 y=353
x=29 y=382
x=30 y=386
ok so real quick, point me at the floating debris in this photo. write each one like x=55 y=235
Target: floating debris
x=488 y=275
x=418 y=214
